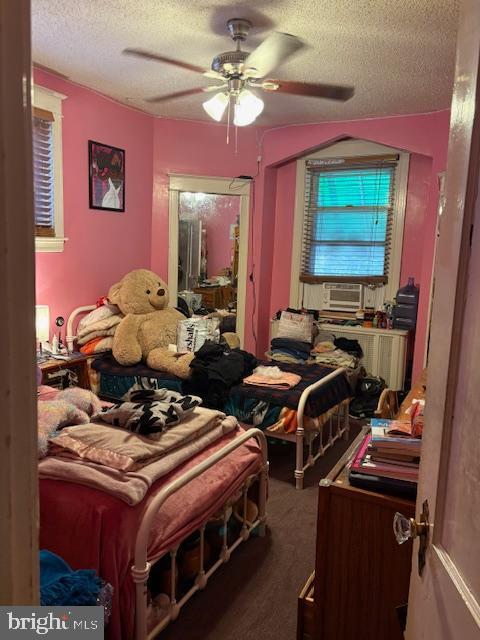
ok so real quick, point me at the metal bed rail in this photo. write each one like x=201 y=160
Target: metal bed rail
x=141 y=567
x=309 y=436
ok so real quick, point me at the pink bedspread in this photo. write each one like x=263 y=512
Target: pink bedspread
x=93 y=530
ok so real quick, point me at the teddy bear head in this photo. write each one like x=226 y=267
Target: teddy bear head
x=140 y=291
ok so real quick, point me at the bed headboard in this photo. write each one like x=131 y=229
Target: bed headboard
x=70 y=337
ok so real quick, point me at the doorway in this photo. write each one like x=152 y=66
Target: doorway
x=208 y=233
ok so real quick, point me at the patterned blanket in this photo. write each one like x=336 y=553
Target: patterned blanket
x=320 y=401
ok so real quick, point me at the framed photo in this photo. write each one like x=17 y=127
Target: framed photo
x=106 y=170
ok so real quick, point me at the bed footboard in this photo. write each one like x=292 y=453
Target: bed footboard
x=301 y=436
x=141 y=568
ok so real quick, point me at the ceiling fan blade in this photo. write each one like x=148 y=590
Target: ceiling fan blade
x=186 y=92
x=271 y=53
x=149 y=55
x=213 y=74
x=320 y=90
x=215 y=87
x=177 y=94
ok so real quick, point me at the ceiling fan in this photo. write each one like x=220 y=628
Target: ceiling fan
x=240 y=71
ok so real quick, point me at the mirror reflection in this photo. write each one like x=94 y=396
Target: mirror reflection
x=208 y=247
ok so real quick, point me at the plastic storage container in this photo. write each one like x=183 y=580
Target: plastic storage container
x=405 y=311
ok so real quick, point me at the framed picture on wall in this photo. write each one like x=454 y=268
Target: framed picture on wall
x=106 y=171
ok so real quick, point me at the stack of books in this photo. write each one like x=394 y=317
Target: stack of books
x=389 y=458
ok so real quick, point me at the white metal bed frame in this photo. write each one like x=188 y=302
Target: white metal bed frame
x=140 y=570
x=142 y=565
x=338 y=424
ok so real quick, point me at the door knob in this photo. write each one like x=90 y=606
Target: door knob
x=408 y=529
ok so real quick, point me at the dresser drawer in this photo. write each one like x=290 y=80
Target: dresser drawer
x=305 y=612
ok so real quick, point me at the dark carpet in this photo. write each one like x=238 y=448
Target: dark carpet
x=255 y=594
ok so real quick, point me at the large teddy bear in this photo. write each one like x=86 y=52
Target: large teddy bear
x=149 y=325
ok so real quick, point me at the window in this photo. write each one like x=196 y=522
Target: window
x=348 y=219
x=47 y=169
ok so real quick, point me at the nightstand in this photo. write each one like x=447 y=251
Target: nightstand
x=72 y=372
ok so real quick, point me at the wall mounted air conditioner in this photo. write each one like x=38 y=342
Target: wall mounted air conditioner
x=342 y=296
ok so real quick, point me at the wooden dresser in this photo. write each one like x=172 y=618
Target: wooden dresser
x=361 y=573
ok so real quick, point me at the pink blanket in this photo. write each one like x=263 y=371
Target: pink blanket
x=131 y=487
x=91 y=529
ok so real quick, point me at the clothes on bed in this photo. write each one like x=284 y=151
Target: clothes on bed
x=120 y=449
x=272 y=377
x=97 y=345
x=289 y=350
x=149 y=412
x=95 y=327
x=327 y=396
x=253 y=412
x=131 y=485
x=61 y=586
x=215 y=369
x=98 y=530
x=117 y=380
x=296 y=347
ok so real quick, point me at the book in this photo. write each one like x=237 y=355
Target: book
x=403 y=463
x=363 y=464
x=381 y=438
x=383 y=485
x=393 y=454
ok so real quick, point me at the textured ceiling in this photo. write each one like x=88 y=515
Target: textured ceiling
x=399 y=54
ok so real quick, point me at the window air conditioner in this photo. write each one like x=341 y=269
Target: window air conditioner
x=340 y=296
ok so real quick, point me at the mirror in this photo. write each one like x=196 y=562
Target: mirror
x=208 y=250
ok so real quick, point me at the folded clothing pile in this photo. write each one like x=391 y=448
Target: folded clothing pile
x=126 y=464
x=290 y=350
x=337 y=352
x=96 y=330
x=273 y=378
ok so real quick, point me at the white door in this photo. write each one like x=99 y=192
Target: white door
x=444 y=602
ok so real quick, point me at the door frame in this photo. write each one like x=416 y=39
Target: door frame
x=19 y=571
x=217 y=186
x=441 y=582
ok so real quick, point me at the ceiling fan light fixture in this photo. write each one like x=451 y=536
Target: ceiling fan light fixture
x=215 y=107
x=247 y=108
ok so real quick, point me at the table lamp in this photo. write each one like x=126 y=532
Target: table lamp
x=42 y=324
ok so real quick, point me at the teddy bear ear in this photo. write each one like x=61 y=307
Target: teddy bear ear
x=114 y=293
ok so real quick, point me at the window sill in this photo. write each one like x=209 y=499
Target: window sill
x=49 y=245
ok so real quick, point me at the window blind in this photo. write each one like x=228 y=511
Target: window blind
x=348 y=219
x=43 y=178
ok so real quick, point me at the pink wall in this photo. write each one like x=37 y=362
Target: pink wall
x=192 y=148
x=425 y=135
x=419 y=181
x=102 y=245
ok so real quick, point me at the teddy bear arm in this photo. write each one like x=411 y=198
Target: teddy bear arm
x=162 y=359
x=126 y=345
